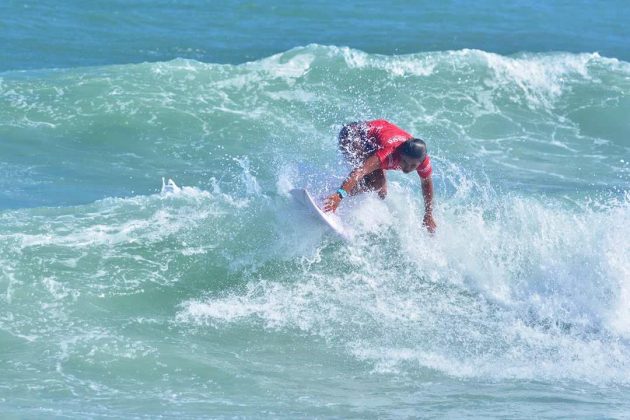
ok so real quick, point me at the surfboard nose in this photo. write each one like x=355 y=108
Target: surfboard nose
x=169 y=187
x=298 y=194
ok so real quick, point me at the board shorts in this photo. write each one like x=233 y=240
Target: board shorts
x=355 y=144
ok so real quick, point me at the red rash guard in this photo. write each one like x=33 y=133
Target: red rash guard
x=388 y=137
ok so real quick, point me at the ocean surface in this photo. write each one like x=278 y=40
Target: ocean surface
x=223 y=299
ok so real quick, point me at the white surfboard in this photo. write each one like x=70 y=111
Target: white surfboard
x=169 y=187
x=330 y=219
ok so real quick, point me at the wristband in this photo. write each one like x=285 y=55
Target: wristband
x=342 y=193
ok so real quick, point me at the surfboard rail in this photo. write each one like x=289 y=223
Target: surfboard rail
x=332 y=221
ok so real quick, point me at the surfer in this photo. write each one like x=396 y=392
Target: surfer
x=371 y=148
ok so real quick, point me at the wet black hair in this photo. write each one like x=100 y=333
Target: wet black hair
x=415 y=148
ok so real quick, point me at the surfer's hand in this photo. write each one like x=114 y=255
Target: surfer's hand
x=332 y=202
x=429 y=223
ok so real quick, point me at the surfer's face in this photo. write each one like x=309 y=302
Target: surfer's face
x=408 y=164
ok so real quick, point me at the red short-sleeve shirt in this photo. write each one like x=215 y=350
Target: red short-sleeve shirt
x=388 y=137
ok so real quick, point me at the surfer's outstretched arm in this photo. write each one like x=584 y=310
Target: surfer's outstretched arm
x=370 y=165
x=427 y=194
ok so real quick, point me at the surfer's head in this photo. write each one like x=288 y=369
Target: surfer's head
x=413 y=153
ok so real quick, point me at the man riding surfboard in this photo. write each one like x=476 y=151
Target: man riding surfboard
x=372 y=147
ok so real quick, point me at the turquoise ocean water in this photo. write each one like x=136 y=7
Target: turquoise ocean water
x=223 y=299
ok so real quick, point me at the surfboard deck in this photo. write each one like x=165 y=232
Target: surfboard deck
x=330 y=220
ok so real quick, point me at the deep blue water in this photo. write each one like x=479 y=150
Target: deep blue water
x=73 y=33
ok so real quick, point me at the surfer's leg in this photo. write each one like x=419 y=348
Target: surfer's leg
x=376 y=181
x=356 y=147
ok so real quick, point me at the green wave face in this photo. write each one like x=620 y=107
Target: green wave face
x=551 y=122
x=225 y=299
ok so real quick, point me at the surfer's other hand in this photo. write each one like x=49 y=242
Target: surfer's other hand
x=332 y=202
x=429 y=223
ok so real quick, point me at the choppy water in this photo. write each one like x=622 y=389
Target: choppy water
x=224 y=300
